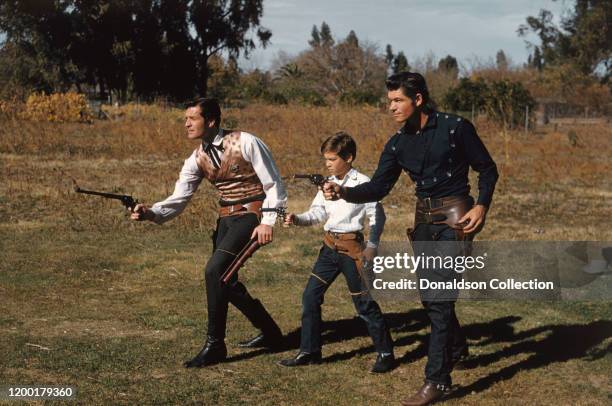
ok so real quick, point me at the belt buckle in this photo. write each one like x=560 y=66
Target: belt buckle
x=231 y=209
x=427 y=201
x=429 y=218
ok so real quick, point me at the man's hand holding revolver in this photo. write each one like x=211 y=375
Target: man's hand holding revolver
x=333 y=191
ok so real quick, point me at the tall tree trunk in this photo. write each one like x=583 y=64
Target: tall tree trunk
x=203 y=81
x=103 y=94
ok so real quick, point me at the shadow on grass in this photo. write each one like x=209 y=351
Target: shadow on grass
x=345 y=329
x=562 y=343
x=413 y=322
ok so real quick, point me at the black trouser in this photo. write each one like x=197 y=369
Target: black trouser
x=328 y=266
x=447 y=343
x=231 y=235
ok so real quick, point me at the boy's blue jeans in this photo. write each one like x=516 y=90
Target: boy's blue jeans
x=328 y=266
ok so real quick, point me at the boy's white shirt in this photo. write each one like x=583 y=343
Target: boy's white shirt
x=253 y=151
x=345 y=217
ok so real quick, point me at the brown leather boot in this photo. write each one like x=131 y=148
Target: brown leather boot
x=429 y=393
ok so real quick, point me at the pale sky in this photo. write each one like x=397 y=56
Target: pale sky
x=464 y=29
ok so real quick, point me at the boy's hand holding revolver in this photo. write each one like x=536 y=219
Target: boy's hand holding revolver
x=141 y=213
x=289 y=219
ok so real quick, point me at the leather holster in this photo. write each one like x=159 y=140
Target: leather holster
x=446 y=210
x=350 y=244
x=240 y=209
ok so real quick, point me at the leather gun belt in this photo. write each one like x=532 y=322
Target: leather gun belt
x=350 y=244
x=240 y=209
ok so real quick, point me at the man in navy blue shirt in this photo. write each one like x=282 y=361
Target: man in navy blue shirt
x=436 y=150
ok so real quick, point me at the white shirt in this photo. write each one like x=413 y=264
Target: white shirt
x=345 y=217
x=254 y=151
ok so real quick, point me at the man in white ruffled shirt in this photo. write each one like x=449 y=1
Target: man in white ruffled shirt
x=343 y=252
x=240 y=166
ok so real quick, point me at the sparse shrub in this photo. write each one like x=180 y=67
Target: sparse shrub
x=274 y=98
x=138 y=111
x=357 y=97
x=572 y=137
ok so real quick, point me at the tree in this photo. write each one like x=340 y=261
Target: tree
x=389 y=54
x=326 y=36
x=535 y=59
x=125 y=47
x=291 y=70
x=315 y=40
x=396 y=63
x=349 y=71
x=34 y=54
x=224 y=74
x=448 y=63
x=400 y=63
x=589 y=38
x=101 y=43
x=175 y=68
x=351 y=39
x=224 y=25
x=543 y=27
x=584 y=38
x=22 y=72
x=449 y=66
x=500 y=60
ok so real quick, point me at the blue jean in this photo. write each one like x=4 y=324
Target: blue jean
x=447 y=343
x=329 y=265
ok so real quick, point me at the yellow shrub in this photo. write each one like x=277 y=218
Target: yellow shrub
x=57 y=107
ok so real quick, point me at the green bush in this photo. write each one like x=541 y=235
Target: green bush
x=467 y=95
x=506 y=101
x=358 y=97
x=503 y=100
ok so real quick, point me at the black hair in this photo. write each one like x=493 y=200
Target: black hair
x=411 y=83
x=209 y=108
x=342 y=144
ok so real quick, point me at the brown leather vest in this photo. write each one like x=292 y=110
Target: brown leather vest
x=235 y=179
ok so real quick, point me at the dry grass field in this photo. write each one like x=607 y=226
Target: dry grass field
x=113 y=308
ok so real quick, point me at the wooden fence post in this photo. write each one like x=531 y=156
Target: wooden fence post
x=526 y=119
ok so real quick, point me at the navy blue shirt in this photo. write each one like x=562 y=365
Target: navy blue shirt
x=437 y=158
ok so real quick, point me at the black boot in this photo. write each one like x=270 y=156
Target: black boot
x=607 y=254
x=272 y=341
x=302 y=358
x=384 y=363
x=270 y=335
x=213 y=352
x=460 y=361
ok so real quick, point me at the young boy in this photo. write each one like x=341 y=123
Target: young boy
x=342 y=252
